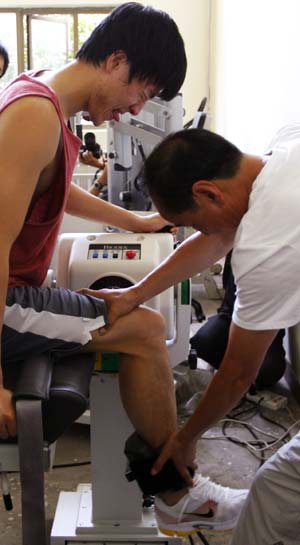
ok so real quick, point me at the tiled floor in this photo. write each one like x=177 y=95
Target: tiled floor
x=223 y=461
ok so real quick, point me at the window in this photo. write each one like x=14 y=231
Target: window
x=45 y=37
x=86 y=24
x=44 y=52
x=8 y=33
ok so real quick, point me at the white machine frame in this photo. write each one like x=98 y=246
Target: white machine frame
x=132 y=139
x=110 y=509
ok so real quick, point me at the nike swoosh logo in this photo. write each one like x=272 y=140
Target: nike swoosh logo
x=210 y=514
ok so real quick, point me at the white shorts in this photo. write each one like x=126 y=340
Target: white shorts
x=39 y=320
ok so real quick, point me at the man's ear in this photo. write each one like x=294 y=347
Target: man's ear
x=115 y=60
x=208 y=189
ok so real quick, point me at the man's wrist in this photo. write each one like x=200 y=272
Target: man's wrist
x=187 y=436
x=140 y=226
x=97 y=185
x=137 y=295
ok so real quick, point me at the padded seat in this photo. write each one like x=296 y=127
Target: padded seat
x=50 y=394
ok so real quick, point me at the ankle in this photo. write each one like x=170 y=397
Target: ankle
x=171 y=497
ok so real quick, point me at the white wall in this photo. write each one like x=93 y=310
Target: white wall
x=192 y=18
x=255 y=69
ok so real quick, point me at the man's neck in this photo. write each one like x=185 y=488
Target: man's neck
x=237 y=191
x=71 y=84
x=250 y=168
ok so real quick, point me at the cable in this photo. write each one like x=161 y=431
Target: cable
x=274 y=422
x=202 y=537
x=258 y=445
x=251 y=444
x=292 y=417
x=75 y=464
x=280 y=438
x=255 y=428
x=251 y=407
x=244 y=443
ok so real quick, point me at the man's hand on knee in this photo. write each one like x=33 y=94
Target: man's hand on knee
x=119 y=302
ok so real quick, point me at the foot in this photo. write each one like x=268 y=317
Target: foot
x=206 y=505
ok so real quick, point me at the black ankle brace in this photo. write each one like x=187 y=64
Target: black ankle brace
x=141 y=457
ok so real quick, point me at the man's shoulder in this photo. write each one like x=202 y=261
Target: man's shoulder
x=25 y=86
x=30 y=99
x=28 y=109
x=287 y=133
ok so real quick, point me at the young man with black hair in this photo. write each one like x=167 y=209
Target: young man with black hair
x=248 y=204
x=4 y=60
x=116 y=70
x=105 y=80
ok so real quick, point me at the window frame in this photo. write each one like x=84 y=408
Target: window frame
x=23 y=34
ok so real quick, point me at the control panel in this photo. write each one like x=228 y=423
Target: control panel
x=114 y=252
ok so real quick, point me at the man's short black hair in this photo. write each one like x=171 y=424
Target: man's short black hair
x=182 y=159
x=4 y=54
x=149 y=38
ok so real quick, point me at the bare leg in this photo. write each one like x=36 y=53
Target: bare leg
x=146 y=382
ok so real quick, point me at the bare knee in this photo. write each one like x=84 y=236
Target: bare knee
x=141 y=330
x=151 y=326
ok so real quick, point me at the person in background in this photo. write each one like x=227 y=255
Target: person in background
x=90 y=150
x=88 y=158
x=99 y=185
x=211 y=340
x=91 y=154
x=4 y=60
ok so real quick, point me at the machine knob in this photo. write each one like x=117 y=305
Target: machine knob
x=130 y=254
x=192 y=359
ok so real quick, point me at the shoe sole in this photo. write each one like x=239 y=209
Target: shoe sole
x=187 y=529
x=208 y=532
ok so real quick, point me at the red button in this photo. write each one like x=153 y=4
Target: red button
x=130 y=254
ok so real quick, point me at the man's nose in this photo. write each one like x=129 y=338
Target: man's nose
x=137 y=107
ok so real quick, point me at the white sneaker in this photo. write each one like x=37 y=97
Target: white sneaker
x=206 y=506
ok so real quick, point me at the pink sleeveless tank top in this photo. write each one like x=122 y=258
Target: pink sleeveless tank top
x=32 y=251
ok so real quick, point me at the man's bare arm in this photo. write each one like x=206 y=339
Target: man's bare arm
x=244 y=355
x=81 y=203
x=194 y=255
x=29 y=125
x=242 y=360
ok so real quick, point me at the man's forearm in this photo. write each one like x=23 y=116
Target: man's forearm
x=194 y=255
x=245 y=352
x=222 y=395
x=81 y=203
